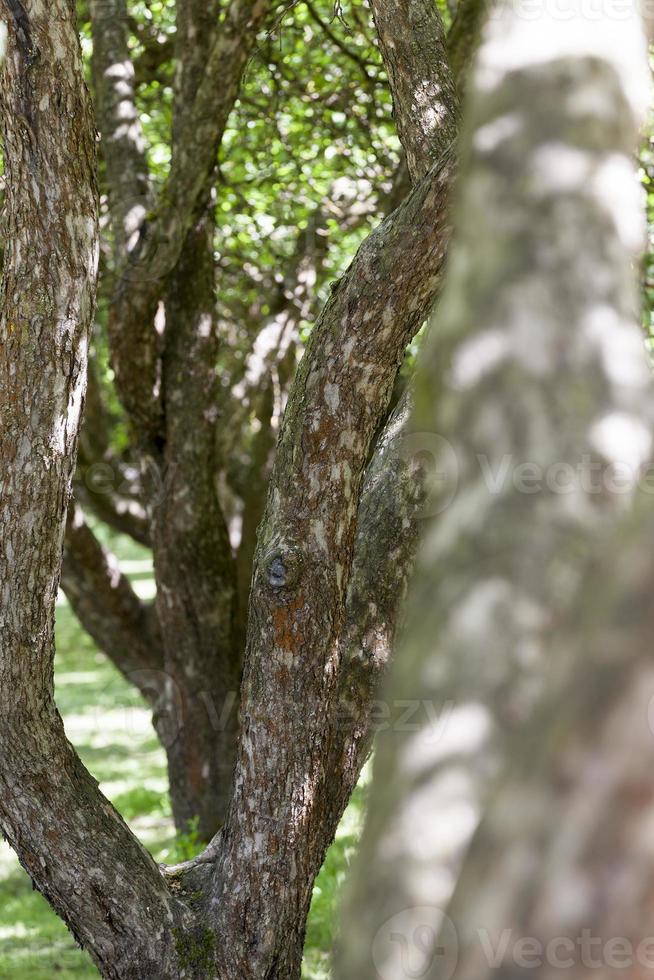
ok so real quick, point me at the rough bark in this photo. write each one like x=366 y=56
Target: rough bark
x=534 y=579
x=194 y=567
x=412 y=42
x=394 y=491
x=68 y=837
x=300 y=579
x=194 y=570
x=286 y=807
x=123 y=145
x=385 y=546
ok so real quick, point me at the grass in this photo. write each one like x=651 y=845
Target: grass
x=110 y=726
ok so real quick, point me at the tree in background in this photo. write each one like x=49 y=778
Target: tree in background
x=528 y=822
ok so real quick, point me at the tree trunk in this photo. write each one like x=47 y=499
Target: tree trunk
x=194 y=567
x=73 y=844
x=288 y=799
x=530 y=620
x=195 y=705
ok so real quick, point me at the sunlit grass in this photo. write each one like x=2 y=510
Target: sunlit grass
x=110 y=726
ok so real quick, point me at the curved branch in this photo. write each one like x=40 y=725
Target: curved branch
x=104 y=482
x=106 y=604
x=95 y=480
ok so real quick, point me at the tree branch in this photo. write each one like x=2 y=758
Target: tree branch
x=385 y=547
x=197 y=596
x=106 y=604
x=412 y=41
x=464 y=35
x=105 y=482
x=123 y=145
x=136 y=339
x=303 y=562
x=117 y=507
x=156 y=53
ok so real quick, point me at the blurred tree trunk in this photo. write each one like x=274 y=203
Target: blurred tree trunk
x=531 y=618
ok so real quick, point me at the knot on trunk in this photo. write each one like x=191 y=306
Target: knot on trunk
x=283 y=567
